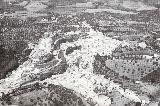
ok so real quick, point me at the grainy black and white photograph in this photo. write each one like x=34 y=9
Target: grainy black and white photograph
x=79 y=52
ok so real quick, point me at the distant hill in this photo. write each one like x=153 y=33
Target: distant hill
x=1 y=3
x=116 y=4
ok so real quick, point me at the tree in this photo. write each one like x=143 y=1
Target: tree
x=97 y=4
x=146 y=18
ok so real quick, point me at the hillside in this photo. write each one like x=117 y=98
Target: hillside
x=79 y=53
